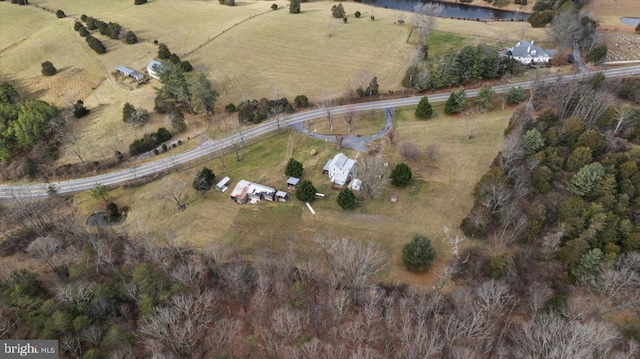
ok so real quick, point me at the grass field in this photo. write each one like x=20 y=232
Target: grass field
x=439 y=195
x=609 y=12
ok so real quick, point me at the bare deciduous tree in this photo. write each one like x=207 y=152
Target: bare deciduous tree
x=349 y=116
x=175 y=191
x=374 y=175
x=424 y=17
x=409 y=151
x=327 y=104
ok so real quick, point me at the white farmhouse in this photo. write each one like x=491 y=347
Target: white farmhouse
x=340 y=169
x=153 y=69
x=526 y=53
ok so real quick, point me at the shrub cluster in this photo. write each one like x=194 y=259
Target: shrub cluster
x=253 y=111
x=149 y=141
x=111 y=29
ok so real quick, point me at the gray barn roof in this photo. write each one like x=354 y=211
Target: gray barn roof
x=525 y=49
x=129 y=72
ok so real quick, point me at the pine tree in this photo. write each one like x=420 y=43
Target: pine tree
x=305 y=191
x=203 y=180
x=346 y=199
x=293 y=169
x=401 y=175
x=79 y=110
x=424 y=109
x=418 y=255
x=456 y=102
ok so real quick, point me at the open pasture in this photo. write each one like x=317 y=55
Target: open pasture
x=439 y=195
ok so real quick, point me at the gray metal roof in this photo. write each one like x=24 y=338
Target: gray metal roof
x=129 y=72
x=525 y=49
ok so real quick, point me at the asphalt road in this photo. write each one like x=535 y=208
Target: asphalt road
x=209 y=147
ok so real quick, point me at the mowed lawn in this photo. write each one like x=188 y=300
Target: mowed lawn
x=439 y=195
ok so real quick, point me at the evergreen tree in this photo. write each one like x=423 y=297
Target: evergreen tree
x=127 y=112
x=204 y=179
x=305 y=191
x=294 y=8
x=301 y=101
x=418 y=255
x=60 y=14
x=456 y=102
x=163 y=52
x=401 y=175
x=485 y=97
x=424 y=109
x=79 y=110
x=48 y=69
x=515 y=95
x=293 y=169
x=346 y=199
x=130 y=37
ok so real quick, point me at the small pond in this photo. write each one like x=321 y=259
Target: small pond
x=98 y=220
x=456 y=11
x=632 y=21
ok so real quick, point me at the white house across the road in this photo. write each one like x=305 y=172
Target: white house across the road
x=340 y=169
x=526 y=53
x=153 y=69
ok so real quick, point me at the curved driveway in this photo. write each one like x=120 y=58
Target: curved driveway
x=113 y=178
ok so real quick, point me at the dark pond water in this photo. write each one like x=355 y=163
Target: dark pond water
x=457 y=11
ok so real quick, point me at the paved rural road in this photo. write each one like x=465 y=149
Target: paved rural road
x=206 y=148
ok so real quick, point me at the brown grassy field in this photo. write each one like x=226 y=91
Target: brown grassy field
x=609 y=12
x=439 y=195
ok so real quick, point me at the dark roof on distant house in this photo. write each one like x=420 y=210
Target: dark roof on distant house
x=526 y=49
x=129 y=72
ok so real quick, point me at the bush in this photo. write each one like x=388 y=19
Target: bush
x=337 y=11
x=130 y=38
x=418 y=255
x=357 y=14
x=305 y=191
x=60 y=14
x=79 y=110
x=515 y=95
x=48 y=69
x=346 y=199
x=301 y=101
x=293 y=169
x=598 y=54
x=149 y=142
x=294 y=7
x=401 y=175
x=274 y=7
x=139 y=2
x=424 y=109
x=175 y=59
x=163 y=52
x=230 y=108
x=186 y=66
x=540 y=19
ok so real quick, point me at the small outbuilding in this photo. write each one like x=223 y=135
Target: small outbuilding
x=129 y=72
x=223 y=184
x=153 y=69
x=356 y=184
x=292 y=183
x=281 y=196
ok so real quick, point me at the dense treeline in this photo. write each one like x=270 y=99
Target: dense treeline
x=565 y=193
x=254 y=111
x=105 y=294
x=22 y=123
x=111 y=29
x=471 y=63
x=149 y=141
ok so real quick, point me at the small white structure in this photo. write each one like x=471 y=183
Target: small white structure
x=292 y=183
x=223 y=184
x=526 y=53
x=281 y=196
x=129 y=72
x=153 y=69
x=356 y=184
x=246 y=190
x=340 y=169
